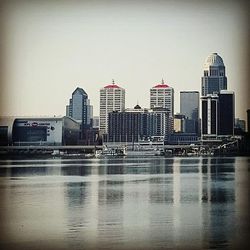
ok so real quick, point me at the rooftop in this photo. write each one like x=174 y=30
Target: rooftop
x=161 y=85
x=213 y=60
x=113 y=85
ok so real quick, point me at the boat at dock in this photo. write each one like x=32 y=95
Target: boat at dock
x=113 y=151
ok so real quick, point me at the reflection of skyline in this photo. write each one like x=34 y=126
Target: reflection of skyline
x=167 y=191
x=174 y=200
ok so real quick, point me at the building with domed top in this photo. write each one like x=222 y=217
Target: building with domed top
x=214 y=77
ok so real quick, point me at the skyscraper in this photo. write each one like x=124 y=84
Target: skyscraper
x=112 y=98
x=162 y=95
x=218 y=114
x=226 y=113
x=189 y=106
x=209 y=106
x=214 y=78
x=79 y=108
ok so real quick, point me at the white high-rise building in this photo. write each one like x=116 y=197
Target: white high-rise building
x=162 y=95
x=112 y=98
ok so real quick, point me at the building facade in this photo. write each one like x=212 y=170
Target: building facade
x=79 y=107
x=134 y=125
x=209 y=106
x=112 y=98
x=226 y=113
x=240 y=124
x=39 y=131
x=189 y=107
x=218 y=115
x=214 y=75
x=162 y=95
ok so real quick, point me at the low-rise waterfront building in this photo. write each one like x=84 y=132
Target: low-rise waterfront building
x=39 y=131
x=134 y=125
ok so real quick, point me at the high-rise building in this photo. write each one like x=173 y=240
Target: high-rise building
x=226 y=112
x=189 y=106
x=112 y=98
x=209 y=106
x=162 y=95
x=218 y=114
x=214 y=78
x=79 y=108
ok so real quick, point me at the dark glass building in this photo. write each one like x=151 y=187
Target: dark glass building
x=218 y=114
x=226 y=113
x=189 y=106
x=79 y=108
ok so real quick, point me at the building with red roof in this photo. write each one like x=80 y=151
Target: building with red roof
x=162 y=95
x=112 y=98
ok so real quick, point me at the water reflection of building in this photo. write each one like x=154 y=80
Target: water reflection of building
x=81 y=201
x=110 y=206
x=241 y=236
x=161 y=188
x=218 y=201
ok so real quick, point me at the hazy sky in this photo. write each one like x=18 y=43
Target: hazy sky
x=48 y=48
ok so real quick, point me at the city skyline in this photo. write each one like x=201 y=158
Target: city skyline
x=54 y=48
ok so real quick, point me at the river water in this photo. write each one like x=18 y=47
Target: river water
x=139 y=202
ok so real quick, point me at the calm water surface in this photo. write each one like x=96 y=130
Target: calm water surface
x=124 y=203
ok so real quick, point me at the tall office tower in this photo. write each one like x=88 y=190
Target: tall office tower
x=214 y=78
x=112 y=98
x=218 y=114
x=79 y=107
x=162 y=95
x=209 y=107
x=189 y=106
x=226 y=113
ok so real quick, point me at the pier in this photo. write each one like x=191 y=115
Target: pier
x=44 y=150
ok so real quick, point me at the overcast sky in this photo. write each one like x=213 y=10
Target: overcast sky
x=48 y=48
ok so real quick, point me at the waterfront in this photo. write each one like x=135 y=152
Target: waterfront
x=124 y=203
